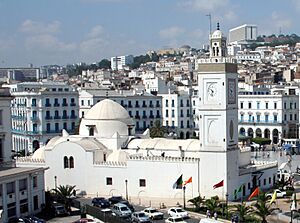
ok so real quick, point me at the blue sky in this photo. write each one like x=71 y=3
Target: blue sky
x=69 y=31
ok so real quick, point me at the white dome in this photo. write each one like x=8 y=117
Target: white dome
x=217 y=34
x=107 y=110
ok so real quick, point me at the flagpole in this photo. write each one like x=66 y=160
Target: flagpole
x=192 y=190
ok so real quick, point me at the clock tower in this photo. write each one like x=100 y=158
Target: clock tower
x=218 y=123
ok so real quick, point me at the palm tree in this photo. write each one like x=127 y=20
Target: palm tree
x=197 y=201
x=64 y=194
x=242 y=210
x=157 y=130
x=261 y=207
x=213 y=204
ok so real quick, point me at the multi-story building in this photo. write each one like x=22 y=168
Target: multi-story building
x=144 y=108
x=243 y=34
x=22 y=190
x=40 y=111
x=273 y=115
x=21 y=74
x=177 y=114
x=118 y=62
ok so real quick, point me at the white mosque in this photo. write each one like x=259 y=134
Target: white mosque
x=108 y=158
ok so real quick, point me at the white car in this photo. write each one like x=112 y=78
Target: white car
x=177 y=212
x=175 y=219
x=279 y=193
x=254 y=145
x=154 y=213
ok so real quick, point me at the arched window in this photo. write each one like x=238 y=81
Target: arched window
x=66 y=162
x=71 y=162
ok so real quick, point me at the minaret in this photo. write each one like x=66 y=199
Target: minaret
x=218 y=122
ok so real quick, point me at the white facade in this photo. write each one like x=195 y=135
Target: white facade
x=40 y=111
x=119 y=62
x=243 y=33
x=155 y=85
x=144 y=108
x=273 y=116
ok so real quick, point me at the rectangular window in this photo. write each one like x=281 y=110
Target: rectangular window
x=284 y=105
x=275 y=105
x=258 y=105
x=291 y=105
x=295 y=105
x=267 y=118
x=167 y=113
x=173 y=123
x=36 y=202
x=270 y=180
x=249 y=105
x=142 y=183
x=275 y=118
x=242 y=117
x=167 y=102
x=173 y=113
x=22 y=184
x=34 y=182
x=249 y=185
x=258 y=118
x=1 y=117
x=108 y=181
x=284 y=117
x=10 y=188
x=11 y=209
x=291 y=117
x=173 y=103
x=265 y=181
x=167 y=123
x=23 y=206
x=242 y=105
x=82 y=102
x=267 y=105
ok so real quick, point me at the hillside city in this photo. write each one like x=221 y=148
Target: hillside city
x=129 y=120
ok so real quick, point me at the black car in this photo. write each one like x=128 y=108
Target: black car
x=100 y=202
x=127 y=204
x=115 y=199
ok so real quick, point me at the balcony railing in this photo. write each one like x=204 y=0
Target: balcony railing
x=34 y=118
x=18 y=117
x=48 y=105
x=260 y=121
x=65 y=117
x=157 y=116
x=137 y=117
x=72 y=104
x=56 y=105
x=144 y=116
x=48 y=117
x=57 y=117
x=151 y=116
x=158 y=105
x=64 y=104
x=73 y=116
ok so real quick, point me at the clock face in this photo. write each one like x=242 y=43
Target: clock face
x=212 y=89
x=231 y=91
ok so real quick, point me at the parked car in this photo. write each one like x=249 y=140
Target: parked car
x=178 y=212
x=127 y=204
x=140 y=217
x=59 y=209
x=100 y=202
x=154 y=213
x=175 y=219
x=18 y=220
x=84 y=220
x=115 y=199
x=121 y=210
x=35 y=219
x=280 y=194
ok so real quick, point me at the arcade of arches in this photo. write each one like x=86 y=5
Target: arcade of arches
x=266 y=133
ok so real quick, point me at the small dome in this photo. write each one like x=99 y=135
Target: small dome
x=107 y=110
x=217 y=34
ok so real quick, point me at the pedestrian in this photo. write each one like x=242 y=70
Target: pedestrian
x=216 y=216
x=208 y=214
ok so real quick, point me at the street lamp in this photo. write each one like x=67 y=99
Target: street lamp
x=126 y=190
x=55 y=182
x=183 y=188
x=226 y=205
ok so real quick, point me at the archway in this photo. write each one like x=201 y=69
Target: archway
x=267 y=133
x=181 y=135
x=187 y=135
x=258 y=133
x=250 y=132
x=35 y=145
x=242 y=131
x=275 y=136
x=194 y=134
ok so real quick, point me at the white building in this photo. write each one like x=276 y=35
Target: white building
x=107 y=157
x=40 y=110
x=143 y=107
x=243 y=34
x=272 y=115
x=21 y=189
x=119 y=62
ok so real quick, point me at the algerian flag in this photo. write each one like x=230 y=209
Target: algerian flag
x=178 y=183
x=238 y=190
x=274 y=196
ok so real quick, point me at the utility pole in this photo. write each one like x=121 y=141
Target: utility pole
x=209 y=17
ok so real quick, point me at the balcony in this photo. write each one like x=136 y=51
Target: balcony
x=144 y=106
x=158 y=105
x=64 y=104
x=34 y=118
x=72 y=104
x=57 y=117
x=157 y=116
x=50 y=131
x=48 y=105
x=151 y=116
x=144 y=116
x=33 y=105
x=259 y=122
x=18 y=117
x=151 y=105
x=65 y=117
x=73 y=117
x=137 y=105
x=137 y=117
x=56 y=105
x=48 y=117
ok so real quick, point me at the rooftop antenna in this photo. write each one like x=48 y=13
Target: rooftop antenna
x=279 y=30
x=209 y=17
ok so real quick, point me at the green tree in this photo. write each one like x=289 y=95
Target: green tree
x=197 y=202
x=157 y=130
x=262 y=209
x=64 y=194
x=242 y=210
x=104 y=64
x=213 y=204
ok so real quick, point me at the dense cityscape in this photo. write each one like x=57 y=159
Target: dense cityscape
x=175 y=134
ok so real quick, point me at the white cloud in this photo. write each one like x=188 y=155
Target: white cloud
x=203 y=5
x=171 y=32
x=95 y=32
x=296 y=4
x=34 y=27
x=280 y=21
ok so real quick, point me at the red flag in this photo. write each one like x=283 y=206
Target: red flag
x=190 y=180
x=220 y=184
x=254 y=193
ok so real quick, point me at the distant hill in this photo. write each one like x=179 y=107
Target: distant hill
x=274 y=40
